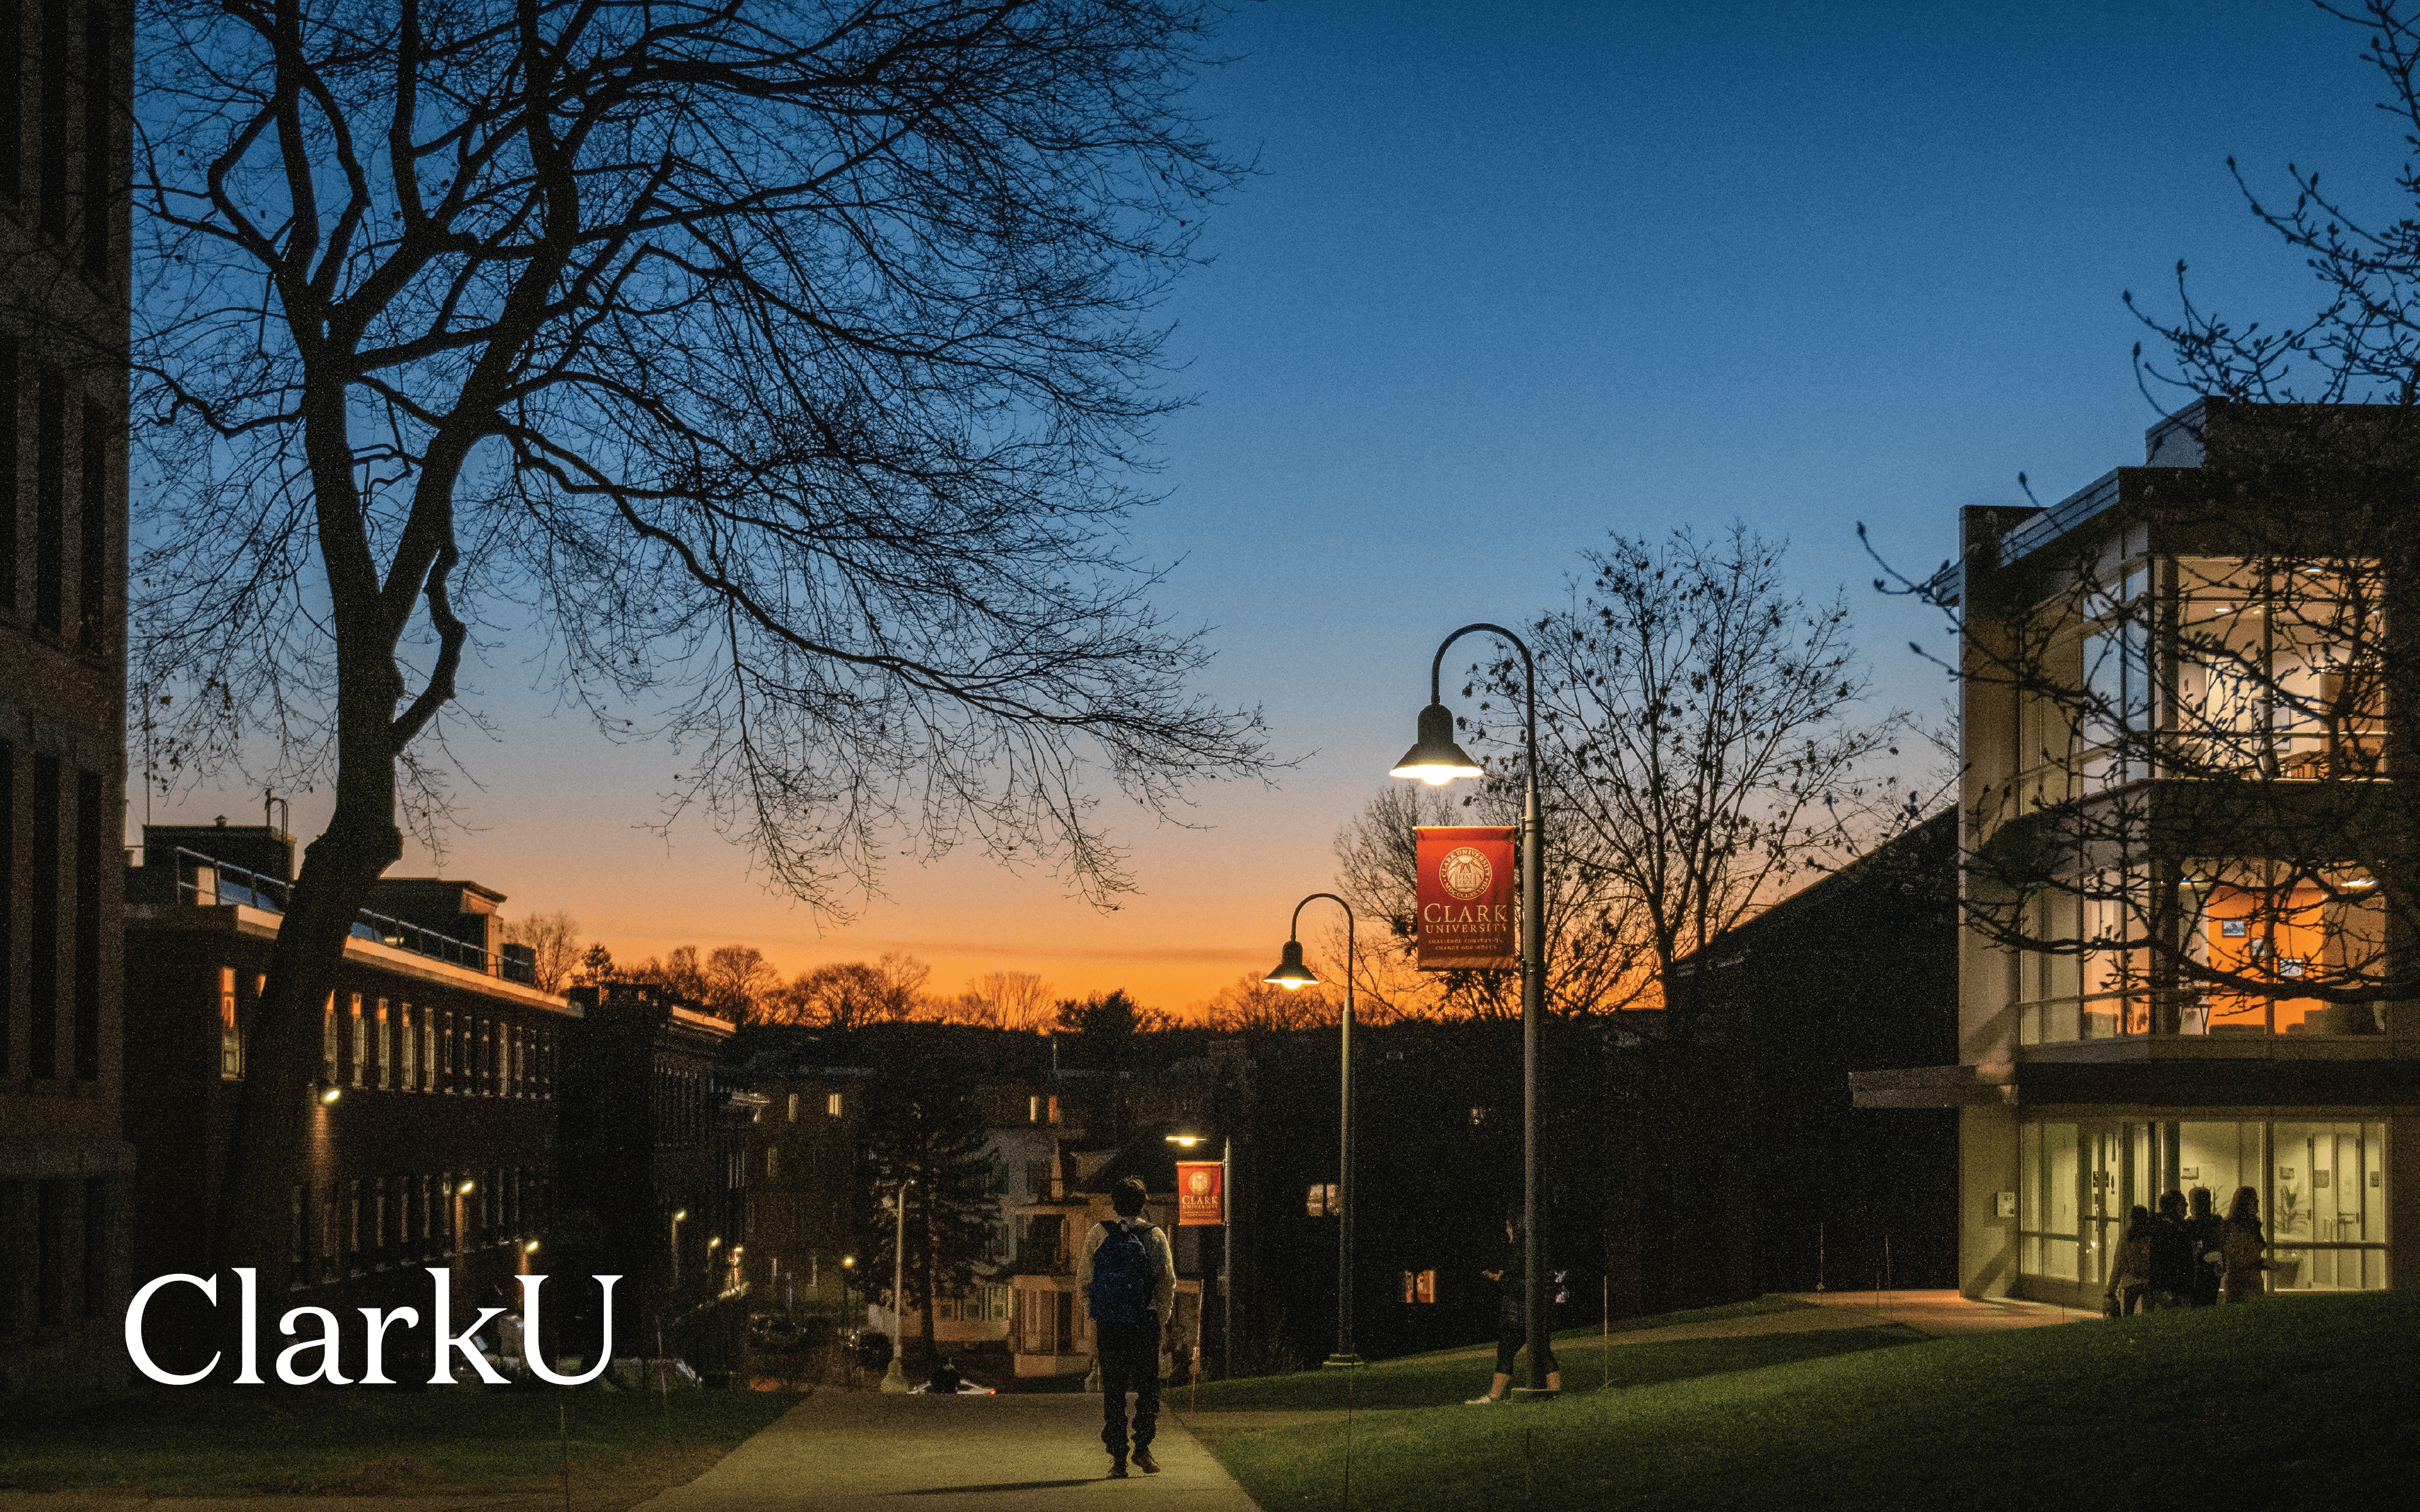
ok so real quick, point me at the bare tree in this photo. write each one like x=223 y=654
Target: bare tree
x=851 y=993
x=555 y=939
x=1249 y=1003
x=1004 y=1000
x=678 y=972
x=738 y=977
x=1595 y=949
x=1695 y=720
x=782 y=362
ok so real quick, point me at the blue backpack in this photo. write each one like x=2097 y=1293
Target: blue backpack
x=1122 y=1278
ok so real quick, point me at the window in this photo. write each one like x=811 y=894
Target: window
x=2273 y=930
x=42 y=873
x=832 y=1106
x=1419 y=1287
x=794 y=1107
x=1321 y=1202
x=2320 y=1187
x=328 y=1040
x=230 y=1034
x=357 y=1042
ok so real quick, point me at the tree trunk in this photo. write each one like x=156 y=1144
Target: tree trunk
x=277 y=1113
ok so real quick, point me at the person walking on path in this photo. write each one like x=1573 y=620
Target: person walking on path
x=1128 y=1276
x=2240 y=1241
x=1513 y=1318
x=2130 y=1270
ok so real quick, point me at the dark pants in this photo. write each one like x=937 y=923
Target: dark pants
x=1512 y=1334
x=1129 y=1360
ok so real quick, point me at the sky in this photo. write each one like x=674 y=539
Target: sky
x=1508 y=279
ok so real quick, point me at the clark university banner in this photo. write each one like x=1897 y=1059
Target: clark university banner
x=1466 y=898
x=1201 y=1194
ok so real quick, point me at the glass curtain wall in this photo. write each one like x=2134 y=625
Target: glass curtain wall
x=2218 y=668
x=2322 y=1189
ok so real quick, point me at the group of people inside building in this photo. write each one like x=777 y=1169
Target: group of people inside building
x=2187 y=1256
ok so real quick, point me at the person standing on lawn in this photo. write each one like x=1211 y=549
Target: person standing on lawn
x=2208 y=1229
x=1128 y=1277
x=1512 y=1317
x=2130 y=1270
x=2242 y=1241
x=2174 y=1260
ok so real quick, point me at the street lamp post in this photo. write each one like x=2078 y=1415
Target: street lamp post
x=1434 y=759
x=1226 y=1244
x=1293 y=975
x=895 y=1379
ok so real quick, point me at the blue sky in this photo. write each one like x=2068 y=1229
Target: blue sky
x=1512 y=277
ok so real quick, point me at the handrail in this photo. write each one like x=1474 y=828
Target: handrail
x=272 y=895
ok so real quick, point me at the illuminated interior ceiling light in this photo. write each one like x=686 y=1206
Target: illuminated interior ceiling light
x=2363 y=882
x=1434 y=759
x=1291 y=973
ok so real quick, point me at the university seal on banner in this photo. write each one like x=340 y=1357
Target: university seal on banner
x=1465 y=872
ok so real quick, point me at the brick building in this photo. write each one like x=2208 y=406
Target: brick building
x=63 y=372
x=434 y=1139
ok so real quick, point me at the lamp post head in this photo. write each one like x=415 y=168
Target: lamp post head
x=1291 y=973
x=1183 y=1141
x=328 y=1091
x=1434 y=759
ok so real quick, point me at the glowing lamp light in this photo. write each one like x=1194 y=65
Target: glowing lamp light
x=1291 y=973
x=328 y=1091
x=467 y=1188
x=680 y=1214
x=848 y=1263
x=530 y=1248
x=1434 y=759
x=716 y=1243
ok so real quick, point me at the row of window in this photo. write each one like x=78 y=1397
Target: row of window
x=66 y=424
x=2322 y=1188
x=2202 y=666
x=57 y=70
x=2273 y=932
x=832 y=1106
x=374 y=1222
x=63 y=908
x=397 y=1046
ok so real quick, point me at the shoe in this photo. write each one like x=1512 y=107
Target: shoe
x=1144 y=1463
x=1118 y=1469
x=1480 y=1401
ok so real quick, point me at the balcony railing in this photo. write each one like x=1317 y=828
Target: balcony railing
x=206 y=880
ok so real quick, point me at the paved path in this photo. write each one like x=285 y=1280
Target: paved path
x=1943 y=1312
x=857 y=1452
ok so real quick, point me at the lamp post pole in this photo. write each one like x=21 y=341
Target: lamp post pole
x=895 y=1379
x=1292 y=974
x=1436 y=759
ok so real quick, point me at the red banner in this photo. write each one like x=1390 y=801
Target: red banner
x=1201 y=1194
x=1466 y=898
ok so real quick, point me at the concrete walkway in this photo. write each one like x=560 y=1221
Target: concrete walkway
x=1942 y=1312
x=855 y=1452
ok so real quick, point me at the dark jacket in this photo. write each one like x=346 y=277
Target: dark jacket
x=2173 y=1258
x=2209 y=1234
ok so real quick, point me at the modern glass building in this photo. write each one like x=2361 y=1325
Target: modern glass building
x=2188 y=880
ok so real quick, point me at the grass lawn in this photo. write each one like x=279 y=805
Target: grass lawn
x=2308 y=1402
x=1449 y=1377
x=204 y=1441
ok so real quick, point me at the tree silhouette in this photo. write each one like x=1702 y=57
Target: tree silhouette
x=779 y=365
x=925 y=1133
